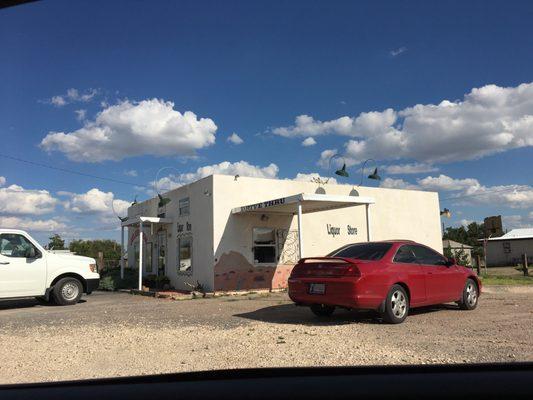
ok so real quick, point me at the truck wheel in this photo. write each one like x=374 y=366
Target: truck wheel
x=67 y=291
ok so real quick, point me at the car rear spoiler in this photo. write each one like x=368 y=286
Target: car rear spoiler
x=306 y=259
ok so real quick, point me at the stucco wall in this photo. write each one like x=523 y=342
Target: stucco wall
x=496 y=256
x=397 y=214
x=201 y=222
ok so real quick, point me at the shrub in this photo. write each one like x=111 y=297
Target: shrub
x=110 y=279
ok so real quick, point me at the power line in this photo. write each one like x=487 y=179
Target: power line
x=69 y=171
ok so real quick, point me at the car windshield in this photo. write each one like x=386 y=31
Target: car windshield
x=363 y=251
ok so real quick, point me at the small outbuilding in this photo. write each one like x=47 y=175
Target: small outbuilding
x=456 y=248
x=234 y=233
x=510 y=248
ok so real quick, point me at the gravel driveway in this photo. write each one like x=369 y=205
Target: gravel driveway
x=116 y=334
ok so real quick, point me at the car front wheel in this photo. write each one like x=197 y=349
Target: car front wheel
x=470 y=295
x=396 y=305
x=67 y=291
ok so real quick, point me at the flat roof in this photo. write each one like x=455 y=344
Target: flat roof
x=310 y=203
x=139 y=219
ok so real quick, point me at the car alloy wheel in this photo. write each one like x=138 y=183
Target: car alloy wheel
x=398 y=304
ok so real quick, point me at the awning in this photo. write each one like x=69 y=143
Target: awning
x=153 y=220
x=309 y=203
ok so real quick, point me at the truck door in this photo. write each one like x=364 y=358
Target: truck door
x=22 y=267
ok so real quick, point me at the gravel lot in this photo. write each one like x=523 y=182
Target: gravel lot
x=116 y=334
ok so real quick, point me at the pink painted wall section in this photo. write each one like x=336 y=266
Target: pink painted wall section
x=234 y=272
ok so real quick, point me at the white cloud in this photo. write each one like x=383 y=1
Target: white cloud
x=130 y=129
x=392 y=183
x=469 y=191
x=49 y=225
x=95 y=201
x=241 y=168
x=517 y=221
x=3 y=180
x=80 y=114
x=325 y=158
x=398 y=51
x=308 y=142
x=235 y=139
x=312 y=177
x=487 y=120
x=15 y=200
x=73 y=96
x=131 y=172
x=414 y=168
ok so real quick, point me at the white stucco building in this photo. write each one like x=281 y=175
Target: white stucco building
x=232 y=233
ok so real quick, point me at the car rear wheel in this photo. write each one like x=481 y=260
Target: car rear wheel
x=67 y=291
x=322 y=310
x=396 y=305
x=470 y=295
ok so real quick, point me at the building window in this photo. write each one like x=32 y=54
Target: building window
x=185 y=255
x=264 y=247
x=506 y=247
x=184 y=206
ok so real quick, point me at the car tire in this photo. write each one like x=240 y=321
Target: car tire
x=322 y=310
x=470 y=295
x=396 y=305
x=67 y=291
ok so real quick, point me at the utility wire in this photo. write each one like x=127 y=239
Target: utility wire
x=68 y=171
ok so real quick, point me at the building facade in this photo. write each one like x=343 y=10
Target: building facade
x=234 y=233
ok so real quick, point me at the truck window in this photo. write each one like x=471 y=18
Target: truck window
x=15 y=245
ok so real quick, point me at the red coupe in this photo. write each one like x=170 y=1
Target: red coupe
x=390 y=277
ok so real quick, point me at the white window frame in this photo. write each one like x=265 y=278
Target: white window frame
x=275 y=245
x=178 y=258
x=180 y=201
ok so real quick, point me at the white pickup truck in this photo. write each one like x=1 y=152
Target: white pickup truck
x=28 y=270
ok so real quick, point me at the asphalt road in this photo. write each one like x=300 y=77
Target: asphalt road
x=117 y=334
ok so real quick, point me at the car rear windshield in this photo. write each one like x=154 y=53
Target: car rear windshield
x=363 y=251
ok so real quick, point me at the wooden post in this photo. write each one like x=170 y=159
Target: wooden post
x=100 y=261
x=524 y=265
x=478 y=264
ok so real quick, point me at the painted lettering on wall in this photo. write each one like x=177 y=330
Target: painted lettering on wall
x=351 y=230
x=263 y=204
x=187 y=226
x=333 y=230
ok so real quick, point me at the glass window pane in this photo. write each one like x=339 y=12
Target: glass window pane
x=184 y=206
x=264 y=254
x=428 y=256
x=264 y=236
x=406 y=255
x=185 y=254
x=363 y=251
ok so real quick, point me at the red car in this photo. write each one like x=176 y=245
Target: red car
x=390 y=277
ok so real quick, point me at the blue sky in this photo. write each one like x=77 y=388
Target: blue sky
x=443 y=88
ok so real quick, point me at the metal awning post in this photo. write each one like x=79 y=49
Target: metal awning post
x=140 y=255
x=122 y=252
x=368 y=231
x=300 y=238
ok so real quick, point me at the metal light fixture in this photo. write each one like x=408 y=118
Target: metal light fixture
x=163 y=201
x=340 y=172
x=134 y=201
x=374 y=175
x=122 y=219
x=447 y=213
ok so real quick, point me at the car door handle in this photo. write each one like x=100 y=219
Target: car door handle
x=4 y=262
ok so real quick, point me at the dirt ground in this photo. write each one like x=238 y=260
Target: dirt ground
x=116 y=334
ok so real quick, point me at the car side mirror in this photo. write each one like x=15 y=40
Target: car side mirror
x=30 y=252
x=451 y=261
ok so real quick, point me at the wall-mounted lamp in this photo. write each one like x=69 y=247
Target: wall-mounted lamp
x=340 y=172
x=374 y=175
x=447 y=213
x=264 y=217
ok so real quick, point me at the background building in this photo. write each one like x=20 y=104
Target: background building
x=231 y=233
x=510 y=248
x=456 y=248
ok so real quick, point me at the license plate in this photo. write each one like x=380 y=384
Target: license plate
x=317 y=288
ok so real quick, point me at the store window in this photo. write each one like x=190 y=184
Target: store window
x=185 y=255
x=264 y=246
x=184 y=206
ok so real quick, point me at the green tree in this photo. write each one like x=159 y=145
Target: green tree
x=459 y=255
x=91 y=248
x=469 y=235
x=56 y=243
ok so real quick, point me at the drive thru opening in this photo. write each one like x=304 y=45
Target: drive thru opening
x=304 y=203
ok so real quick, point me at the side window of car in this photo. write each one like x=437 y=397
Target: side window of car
x=15 y=245
x=427 y=256
x=405 y=254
